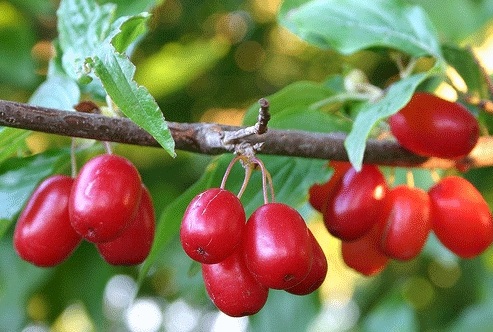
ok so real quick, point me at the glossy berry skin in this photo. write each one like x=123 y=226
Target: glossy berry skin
x=431 y=126
x=212 y=226
x=364 y=255
x=405 y=222
x=320 y=193
x=43 y=235
x=277 y=246
x=460 y=217
x=317 y=273
x=134 y=244
x=354 y=208
x=105 y=198
x=232 y=287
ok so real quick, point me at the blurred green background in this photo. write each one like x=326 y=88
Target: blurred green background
x=209 y=61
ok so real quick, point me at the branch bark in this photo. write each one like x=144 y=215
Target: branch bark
x=207 y=138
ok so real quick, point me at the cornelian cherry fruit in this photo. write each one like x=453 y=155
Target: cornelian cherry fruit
x=431 y=126
x=277 y=246
x=43 y=235
x=317 y=273
x=134 y=244
x=364 y=255
x=105 y=198
x=232 y=288
x=320 y=193
x=355 y=205
x=461 y=218
x=404 y=222
x=212 y=226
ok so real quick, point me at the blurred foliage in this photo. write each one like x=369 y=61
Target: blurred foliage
x=210 y=61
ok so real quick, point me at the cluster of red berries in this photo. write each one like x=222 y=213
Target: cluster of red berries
x=242 y=260
x=106 y=204
x=377 y=223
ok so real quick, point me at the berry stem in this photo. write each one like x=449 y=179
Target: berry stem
x=434 y=175
x=107 y=147
x=391 y=178
x=228 y=171
x=73 y=161
x=248 y=173
x=410 y=179
x=266 y=180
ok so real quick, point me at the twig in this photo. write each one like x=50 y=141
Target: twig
x=207 y=138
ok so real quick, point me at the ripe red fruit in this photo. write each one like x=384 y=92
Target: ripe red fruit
x=232 y=287
x=354 y=208
x=404 y=223
x=277 y=246
x=363 y=255
x=134 y=244
x=431 y=126
x=320 y=193
x=317 y=273
x=460 y=217
x=43 y=235
x=212 y=226
x=105 y=198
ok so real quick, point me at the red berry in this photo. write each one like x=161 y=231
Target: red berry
x=134 y=244
x=212 y=226
x=355 y=206
x=405 y=222
x=431 y=126
x=43 y=234
x=317 y=273
x=232 y=287
x=320 y=193
x=105 y=198
x=460 y=217
x=277 y=246
x=363 y=255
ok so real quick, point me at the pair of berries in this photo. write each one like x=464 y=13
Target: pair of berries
x=377 y=223
x=106 y=204
x=242 y=260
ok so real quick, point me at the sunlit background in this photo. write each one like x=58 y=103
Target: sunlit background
x=208 y=61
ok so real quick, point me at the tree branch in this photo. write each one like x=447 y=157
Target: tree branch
x=207 y=138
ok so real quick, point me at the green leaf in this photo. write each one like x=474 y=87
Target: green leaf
x=116 y=72
x=170 y=220
x=89 y=38
x=369 y=114
x=463 y=61
x=18 y=281
x=12 y=140
x=19 y=177
x=59 y=92
x=474 y=17
x=125 y=7
x=82 y=26
x=349 y=26
x=126 y=30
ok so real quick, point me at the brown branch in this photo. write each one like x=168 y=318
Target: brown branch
x=207 y=138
